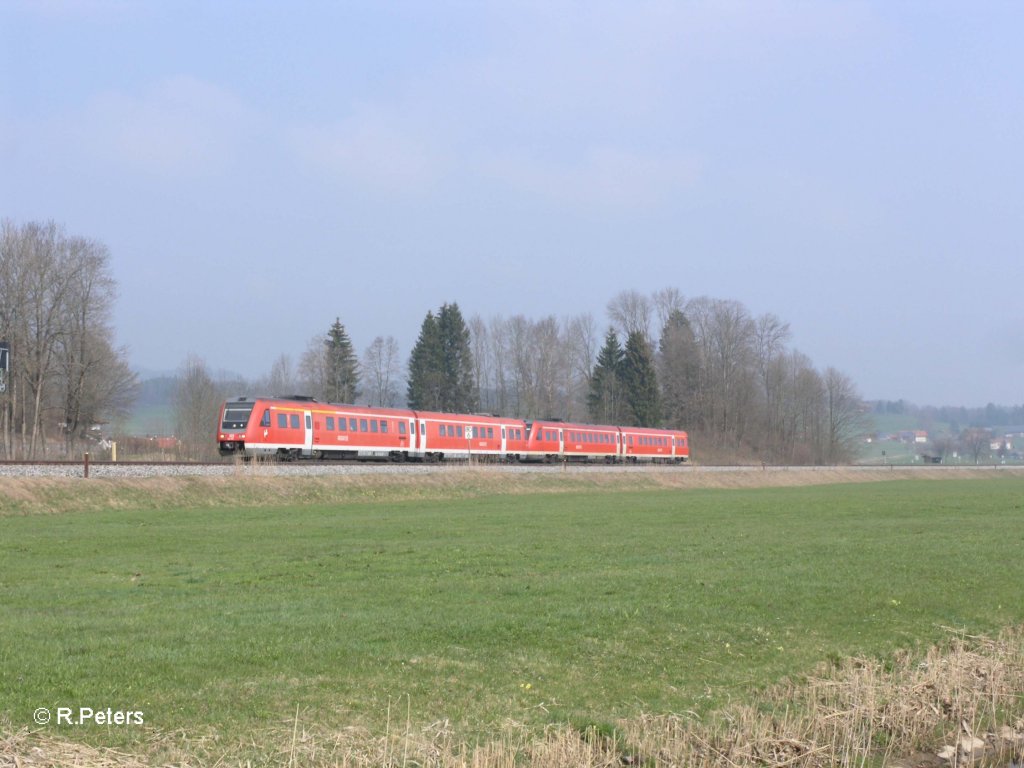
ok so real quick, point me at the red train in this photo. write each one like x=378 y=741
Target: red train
x=297 y=427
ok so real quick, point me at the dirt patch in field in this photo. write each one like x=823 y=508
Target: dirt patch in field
x=262 y=487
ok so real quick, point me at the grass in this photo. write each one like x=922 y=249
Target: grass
x=583 y=608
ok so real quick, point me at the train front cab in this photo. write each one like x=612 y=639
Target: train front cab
x=234 y=420
x=260 y=428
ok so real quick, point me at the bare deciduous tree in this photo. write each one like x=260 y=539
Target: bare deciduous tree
x=56 y=293
x=845 y=409
x=976 y=442
x=197 y=400
x=630 y=312
x=382 y=369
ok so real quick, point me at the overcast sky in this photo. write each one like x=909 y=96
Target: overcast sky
x=260 y=168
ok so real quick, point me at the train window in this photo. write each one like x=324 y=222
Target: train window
x=352 y=425
x=295 y=421
x=330 y=423
x=458 y=431
x=265 y=421
x=401 y=427
x=373 y=426
x=442 y=430
x=282 y=420
x=630 y=439
x=383 y=426
x=490 y=433
x=363 y=426
x=341 y=423
x=423 y=429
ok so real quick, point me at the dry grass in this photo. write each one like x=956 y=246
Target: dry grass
x=260 y=487
x=861 y=712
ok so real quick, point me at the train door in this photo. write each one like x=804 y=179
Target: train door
x=561 y=442
x=307 y=447
x=422 y=442
x=504 y=441
x=408 y=442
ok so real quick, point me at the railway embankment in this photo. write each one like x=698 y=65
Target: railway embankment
x=55 y=489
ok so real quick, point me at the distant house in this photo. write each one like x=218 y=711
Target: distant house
x=1001 y=443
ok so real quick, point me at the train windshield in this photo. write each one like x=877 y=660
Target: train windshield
x=236 y=415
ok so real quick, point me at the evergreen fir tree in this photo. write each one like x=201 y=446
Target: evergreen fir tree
x=341 y=367
x=640 y=382
x=425 y=365
x=441 y=364
x=605 y=399
x=459 y=392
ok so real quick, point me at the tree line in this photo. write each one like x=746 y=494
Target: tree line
x=65 y=375
x=702 y=364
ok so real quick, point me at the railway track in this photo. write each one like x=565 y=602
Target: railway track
x=135 y=469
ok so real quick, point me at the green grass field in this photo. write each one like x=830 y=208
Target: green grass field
x=537 y=609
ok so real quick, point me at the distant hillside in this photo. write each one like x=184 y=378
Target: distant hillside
x=153 y=411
